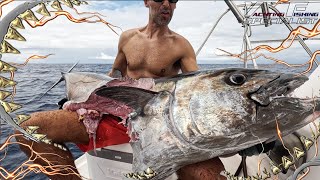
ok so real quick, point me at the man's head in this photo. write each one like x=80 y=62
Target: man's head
x=160 y=11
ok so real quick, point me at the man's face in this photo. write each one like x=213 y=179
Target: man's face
x=160 y=12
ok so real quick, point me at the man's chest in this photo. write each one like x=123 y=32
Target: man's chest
x=151 y=55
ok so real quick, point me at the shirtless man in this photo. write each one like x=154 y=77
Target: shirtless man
x=150 y=51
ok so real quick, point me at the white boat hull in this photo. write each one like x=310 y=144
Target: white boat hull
x=110 y=163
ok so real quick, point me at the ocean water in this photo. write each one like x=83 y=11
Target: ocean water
x=34 y=79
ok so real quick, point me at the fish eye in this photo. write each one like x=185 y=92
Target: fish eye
x=237 y=79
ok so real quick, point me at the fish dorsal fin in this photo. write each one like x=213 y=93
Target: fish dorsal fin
x=136 y=98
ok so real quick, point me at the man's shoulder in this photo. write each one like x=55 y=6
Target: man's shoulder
x=129 y=33
x=183 y=44
x=126 y=36
x=179 y=38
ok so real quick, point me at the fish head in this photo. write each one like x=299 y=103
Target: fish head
x=242 y=107
x=229 y=105
x=278 y=111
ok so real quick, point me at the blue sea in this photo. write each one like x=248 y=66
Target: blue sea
x=34 y=79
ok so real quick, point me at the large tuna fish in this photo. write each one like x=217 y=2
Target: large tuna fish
x=197 y=116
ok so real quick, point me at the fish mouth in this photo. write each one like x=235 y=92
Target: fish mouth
x=288 y=114
x=280 y=87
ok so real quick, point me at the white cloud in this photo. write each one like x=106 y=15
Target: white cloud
x=104 y=56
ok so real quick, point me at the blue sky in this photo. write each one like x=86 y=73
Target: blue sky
x=96 y=43
x=113 y=5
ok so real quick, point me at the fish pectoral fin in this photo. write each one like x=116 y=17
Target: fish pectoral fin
x=135 y=98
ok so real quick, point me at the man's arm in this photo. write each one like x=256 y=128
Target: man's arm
x=120 y=63
x=188 y=61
